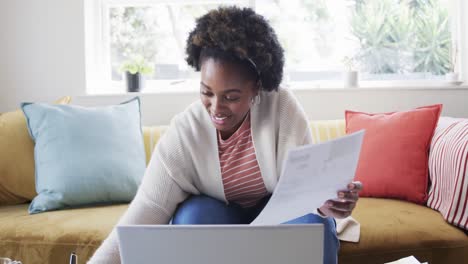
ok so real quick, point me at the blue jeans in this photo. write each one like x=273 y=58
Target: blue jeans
x=201 y=209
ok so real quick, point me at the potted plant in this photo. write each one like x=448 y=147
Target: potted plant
x=134 y=70
x=351 y=74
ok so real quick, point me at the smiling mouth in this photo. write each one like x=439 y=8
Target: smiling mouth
x=220 y=120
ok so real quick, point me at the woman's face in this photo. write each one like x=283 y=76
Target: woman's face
x=226 y=94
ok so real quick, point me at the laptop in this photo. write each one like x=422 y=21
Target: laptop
x=216 y=244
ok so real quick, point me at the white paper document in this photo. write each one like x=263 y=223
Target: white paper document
x=311 y=175
x=407 y=260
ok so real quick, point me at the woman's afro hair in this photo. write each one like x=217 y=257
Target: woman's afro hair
x=238 y=34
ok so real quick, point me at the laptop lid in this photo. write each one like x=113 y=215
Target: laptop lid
x=227 y=244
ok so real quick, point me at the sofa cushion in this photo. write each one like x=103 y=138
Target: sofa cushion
x=324 y=130
x=51 y=237
x=151 y=136
x=17 y=158
x=448 y=171
x=85 y=155
x=395 y=152
x=393 y=229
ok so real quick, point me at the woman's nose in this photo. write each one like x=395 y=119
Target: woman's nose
x=216 y=104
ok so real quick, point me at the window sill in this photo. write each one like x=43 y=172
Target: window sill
x=380 y=85
x=191 y=86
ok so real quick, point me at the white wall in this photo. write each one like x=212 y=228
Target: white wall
x=42 y=57
x=41 y=50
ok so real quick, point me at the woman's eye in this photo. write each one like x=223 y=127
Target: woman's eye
x=232 y=98
x=205 y=93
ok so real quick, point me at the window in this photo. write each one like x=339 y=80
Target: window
x=384 y=40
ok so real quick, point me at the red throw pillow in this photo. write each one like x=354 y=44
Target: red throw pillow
x=394 y=156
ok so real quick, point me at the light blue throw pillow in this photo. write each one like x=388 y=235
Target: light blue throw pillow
x=85 y=156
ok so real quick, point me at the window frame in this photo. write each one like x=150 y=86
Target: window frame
x=97 y=51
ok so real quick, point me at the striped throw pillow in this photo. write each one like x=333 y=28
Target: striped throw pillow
x=448 y=171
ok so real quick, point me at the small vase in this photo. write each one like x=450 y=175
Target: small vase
x=351 y=79
x=134 y=82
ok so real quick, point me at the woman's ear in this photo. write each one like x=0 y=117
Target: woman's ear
x=255 y=94
x=256 y=88
x=255 y=99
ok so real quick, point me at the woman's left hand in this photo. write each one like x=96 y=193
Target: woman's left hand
x=343 y=205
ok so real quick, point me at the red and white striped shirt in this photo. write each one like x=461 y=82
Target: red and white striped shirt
x=242 y=180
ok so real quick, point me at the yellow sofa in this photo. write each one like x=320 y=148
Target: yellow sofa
x=390 y=229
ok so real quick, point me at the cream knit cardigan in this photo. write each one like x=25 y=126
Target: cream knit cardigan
x=186 y=162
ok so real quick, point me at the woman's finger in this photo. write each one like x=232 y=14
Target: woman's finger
x=341 y=205
x=355 y=186
x=348 y=195
x=339 y=214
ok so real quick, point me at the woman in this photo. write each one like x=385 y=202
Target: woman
x=221 y=158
